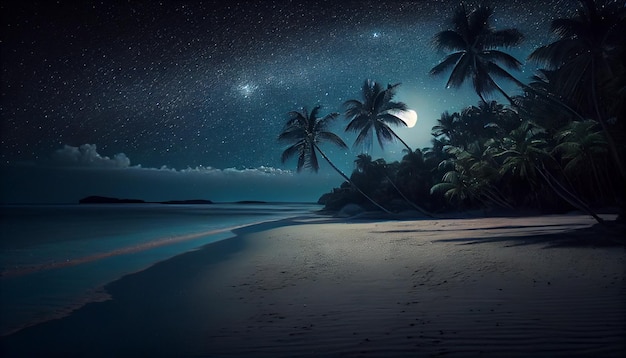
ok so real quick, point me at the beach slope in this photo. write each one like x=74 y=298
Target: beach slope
x=309 y=287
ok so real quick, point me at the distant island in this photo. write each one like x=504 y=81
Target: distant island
x=95 y=199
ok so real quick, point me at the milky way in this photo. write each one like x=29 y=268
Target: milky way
x=185 y=83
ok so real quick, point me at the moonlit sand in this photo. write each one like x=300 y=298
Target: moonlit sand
x=315 y=286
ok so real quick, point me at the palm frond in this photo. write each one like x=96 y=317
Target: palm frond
x=478 y=20
x=441 y=187
x=395 y=106
x=313 y=114
x=291 y=134
x=459 y=20
x=503 y=38
x=353 y=103
x=502 y=73
x=449 y=40
x=383 y=134
x=364 y=135
x=379 y=101
x=568 y=28
x=502 y=57
x=290 y=152
x=460 y=71
x=447 y=63
x=556 y=54
x=298 y=118
x=452 y=177
x=391 y=119
x=358 y=122
x=332 y=138
x=323 y=123
x=568 y=149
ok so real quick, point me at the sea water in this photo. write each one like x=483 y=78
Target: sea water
x=55 y=257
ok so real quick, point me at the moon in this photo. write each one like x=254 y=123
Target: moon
x=409 y=117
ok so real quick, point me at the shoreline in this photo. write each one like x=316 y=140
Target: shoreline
x=336 y=286
x=99 y=293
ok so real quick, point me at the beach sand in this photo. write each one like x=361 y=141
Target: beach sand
x=323 y=287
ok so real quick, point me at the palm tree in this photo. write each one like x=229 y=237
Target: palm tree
x=369 y=173
x=306 y=131
x=582 y=148
x=374 y=114
x=447 y=128
x=525 y=157
x=473 y=177
x=588 y=53
x=473 y=42
x=522 y=152
x=492 y=115
x=454 y=188
x=365 y=164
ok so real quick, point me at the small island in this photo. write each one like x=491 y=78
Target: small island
x=95 y=199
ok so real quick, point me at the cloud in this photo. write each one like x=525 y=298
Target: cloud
x=87 y=156
x=76 y=172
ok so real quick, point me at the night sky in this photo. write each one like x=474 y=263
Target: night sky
x=164 y=89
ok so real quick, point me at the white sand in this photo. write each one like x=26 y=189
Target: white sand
x=319 y=287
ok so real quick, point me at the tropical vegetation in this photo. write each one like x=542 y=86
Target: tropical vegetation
x=555 y=146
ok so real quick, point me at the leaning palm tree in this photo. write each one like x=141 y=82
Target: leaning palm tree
x=306 y=131
x=588 y=53
x=374 y=114
x=473 y=42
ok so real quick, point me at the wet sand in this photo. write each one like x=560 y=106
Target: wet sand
x=532 y=286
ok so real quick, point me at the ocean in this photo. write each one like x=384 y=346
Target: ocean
x=54 y=258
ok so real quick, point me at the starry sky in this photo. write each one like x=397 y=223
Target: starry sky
x=182 y=86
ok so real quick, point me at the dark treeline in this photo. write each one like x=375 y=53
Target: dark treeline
x=557 y=145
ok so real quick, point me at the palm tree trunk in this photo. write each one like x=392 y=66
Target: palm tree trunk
x=605 y=127
x=496 y=198
x=502 y=92
x=600 y=190
x=562 y=192
x=401 y=141
x=549 y=97
x=350 y=181
x=417 y=207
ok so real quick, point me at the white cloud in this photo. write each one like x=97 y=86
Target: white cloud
x=87 y=156
x=81 y=171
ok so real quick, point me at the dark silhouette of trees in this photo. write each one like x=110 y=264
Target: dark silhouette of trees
x=548 y=150
x=588 y=60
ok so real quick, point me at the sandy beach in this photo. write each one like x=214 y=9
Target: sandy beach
x=323 y=287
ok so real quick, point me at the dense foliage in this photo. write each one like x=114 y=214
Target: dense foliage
x=556 y=146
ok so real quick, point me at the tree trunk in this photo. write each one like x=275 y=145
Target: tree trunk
x=350 y=181
x=401 y=141
x=417 y=207
x=551 y=98
x=566 y=195
x=605 y=127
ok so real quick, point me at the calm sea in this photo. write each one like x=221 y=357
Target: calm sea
x=54 y=258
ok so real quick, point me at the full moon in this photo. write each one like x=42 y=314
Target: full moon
x=409 y=117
